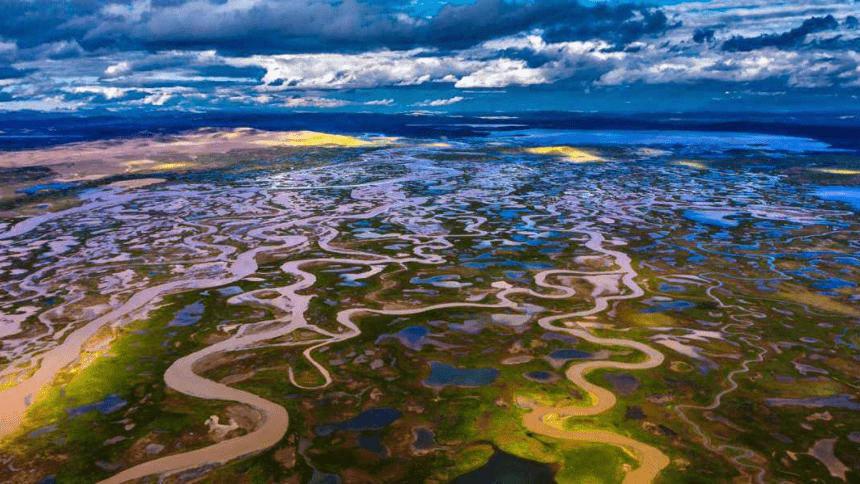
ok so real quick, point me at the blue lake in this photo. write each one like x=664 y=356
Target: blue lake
x=716 y=140
x=188 y=315
x=540 y=375
x=836 y=401
x=569 y=354
x=504 y=468
x=849 y=195
x=442 y=375
x=373 y=419
x=230 y=291
x=559 y=337
x=716 y=218
x=107 y=405
x=372 y=442
x=832 y=283
x=660 y=306
x=424 y=439
x=41 y=431
x=45 y=187
x=322 y=478
x=412 y=337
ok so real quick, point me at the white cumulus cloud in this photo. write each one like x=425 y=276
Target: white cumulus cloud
x=109 y=93
x=380 y=102
x=503 y=73
x=314 y=102
x=157 y=99
x=117 y=70
x=441 y=102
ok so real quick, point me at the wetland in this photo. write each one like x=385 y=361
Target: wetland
x=348 y=310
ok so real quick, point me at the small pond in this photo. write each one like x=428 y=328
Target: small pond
x=188 y=315
x=107 y=405
x=569 y=354
x=442 y=375
x=373 y=419
x=504 y=468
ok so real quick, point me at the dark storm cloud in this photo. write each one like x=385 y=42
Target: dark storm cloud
x=194 y=54
x=269 y=26
x=787 y=40
x=703 y=35
x=561 y=21
x=532 y=59
x=7 y=72
x=230 y=71
x=31 y=23
x=622 y=24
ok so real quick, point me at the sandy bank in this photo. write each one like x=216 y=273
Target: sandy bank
x=138 y=183
x=97 y=159
x=572 y=154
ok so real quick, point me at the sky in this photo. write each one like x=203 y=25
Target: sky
x=429 y=56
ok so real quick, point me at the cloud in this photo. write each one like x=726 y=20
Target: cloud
x=108 y=93
x=474 y=68
x=440 y=102
x=792 y=38
x=157 y=99
x=560 y=20
x=294 y=53
x=44 y=104
x=703 y=35
x=503 y=73
x=269 y=26
x=117 y=70
x=8 y=72
x=132 y=12
x=793 y=69
x=380 y=102
x=354 y=71
x=221 y=71
x=8 y=50
x=57 y=50
x=314 y=102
